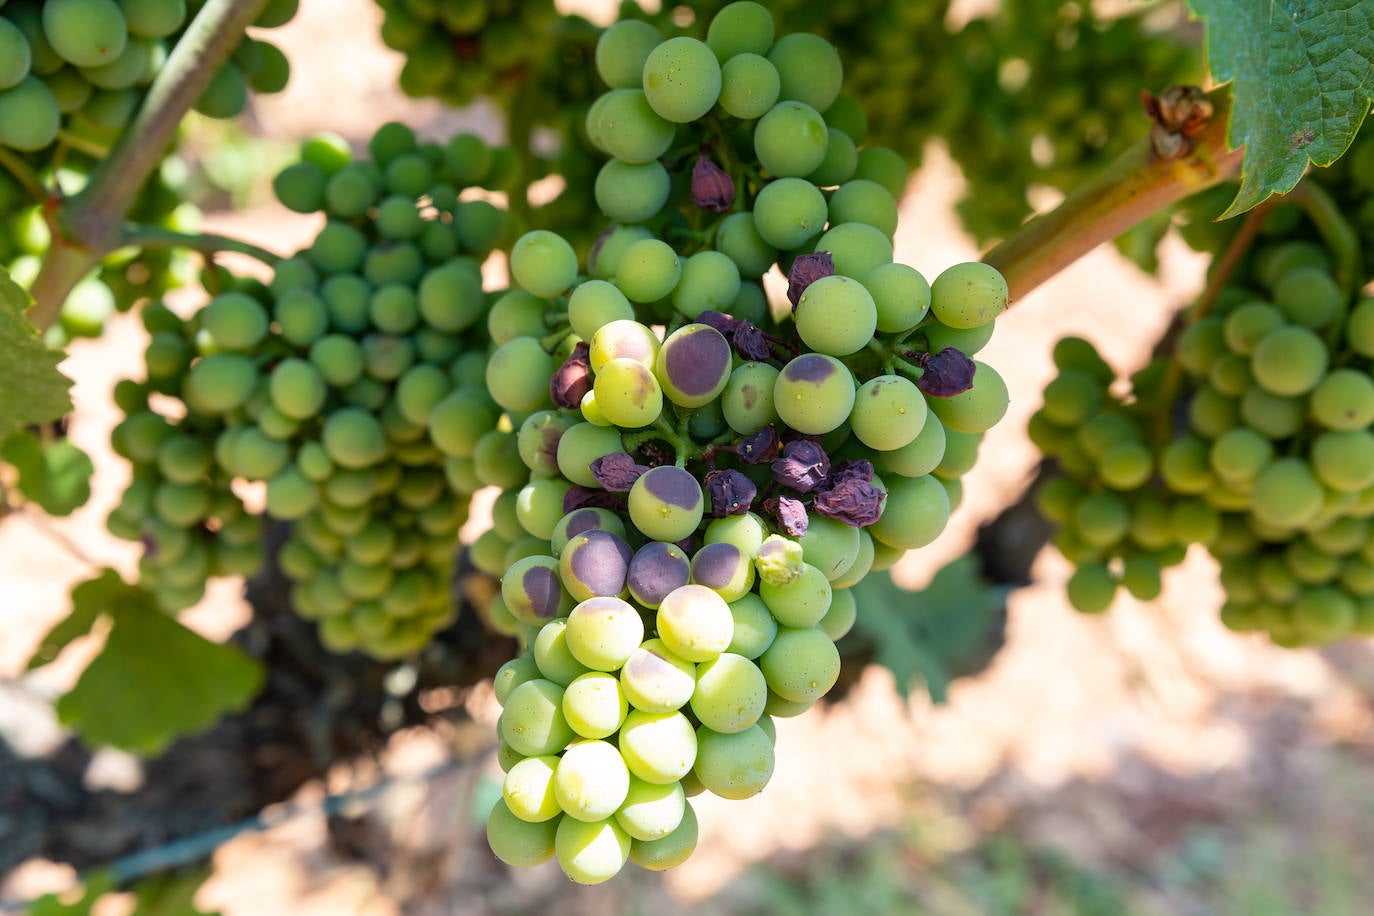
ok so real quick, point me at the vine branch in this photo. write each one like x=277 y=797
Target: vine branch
x=204 y=242
x=90 y=224
x=1139 y=183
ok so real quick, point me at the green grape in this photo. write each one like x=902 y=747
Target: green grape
x=629 y=128
x=656 y=680
x=790 y=139
x=844 y=611
x=591 y=853
x=655 y=571
x=594 y=304
x=648 y=270
x=682 y=79
x=747 y=400
x=1359 y=329
x=516 y=314
x=543 y=263
x=1309 y=296
x=1091 y=588
x=290 y=494
x=591 y=781
x=1212 y=413
x=518 y=374
x=29 y=115
x=631 y=192
x=1126 y=466
x=302 y=316
x=735 y=765
x=1102 y=519
x=855 y=248
x=458 y=420
x=1344 y=400
x=979 y=408
x=582 y=444
x=724 y=569
x=1344 y=461
x=814 y=394
x=695 y=623
x=551 y=653
x=533 y=591
x=153 y=18
x=627 y=394
x=1324 y=614
x=800 y=603
x=801 y=665
x=968 y=295
x=520 y=843
x=622 y=339
x=738 y=238
x=665 y=503
x=1309 y=565
x=651 y=812
x=594 y=705
x=915 y=512
x=809 y=68
x=528 y=789
x=1072 y=397
x=621 y=51
x=922 y=455
x=841 y=158
x=836 y=316
x=298 y=390
x=669 y=851
x=889 y=412
x=829 y=546
x=1194 y=522
x=1239 y=454
x=788 y=212
x=450 y=298
x=580 y=521
x=659 y=748
x=539 y=506
x=218 y=383
x=749 y=86
x=693 y=366
x=710 y=280
x=1248 y=324
x=354 y=438
x=755 y=627
x=1289 y=361
x=87 y=33
x=869 y=203
x=1286 y=494
x=740 y=28
x=603 y=632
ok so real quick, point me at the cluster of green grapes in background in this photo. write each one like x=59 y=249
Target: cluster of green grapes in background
x=1252 y=437
x=75 y=73
x=328 y=386
x=708 y=473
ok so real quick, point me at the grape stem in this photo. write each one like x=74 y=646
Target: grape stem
x=1221 y=273
x=205 y=242
x=1335 y=232
x=1138 y=184
x=91 y=224
x=23 y=173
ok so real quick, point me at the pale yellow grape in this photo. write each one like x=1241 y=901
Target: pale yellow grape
x=736 y=765
x=520 y=843
x=695 y=623
x=671 y=850
x=627 y=394
x=730 y=694
x=591 y=781
x=591 y=853
x=528 y=789
x=651 y=811
x=801 y=665
x=657 y=680
x=658 y=747
x=594 y=705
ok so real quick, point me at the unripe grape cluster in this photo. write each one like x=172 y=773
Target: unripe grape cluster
x=709 y=472
x=1271 y=467
x=329 y=386
x=81 y=67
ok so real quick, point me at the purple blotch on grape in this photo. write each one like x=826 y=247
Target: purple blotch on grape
x=696 y=361
x=600 y=561
x=657 y=569
x=715 y=565
x=673 y=486
x=544 y=590
x=809 y=367
x=580 y=521
x=580 y=497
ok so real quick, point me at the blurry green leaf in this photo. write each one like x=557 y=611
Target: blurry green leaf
x=97 y=885
x=31 y=388
x=155 y=680
x=171 y=895
x=90 y=601
x=55 y=477
x=1303 y=73
x=933 y=634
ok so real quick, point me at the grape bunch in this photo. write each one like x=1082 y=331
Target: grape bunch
x=1270 y=464
x=78 y=68
x=709 y=472
x=331 y=385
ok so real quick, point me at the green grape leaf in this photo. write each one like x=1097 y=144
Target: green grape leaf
x=1303 y=80
x=55 y=477
x=155 y=680
x=31 y=388
x=91 y=600
x=934 y=634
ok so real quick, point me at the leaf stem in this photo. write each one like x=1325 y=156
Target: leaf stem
x=23 y=173
x=1138 y=184
x=204 y=242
